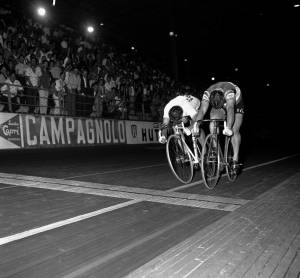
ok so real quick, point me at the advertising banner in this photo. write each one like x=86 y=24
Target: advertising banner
x=54 y=131
x=39 y=131
x=10 y=131
x=141 y=132
x=30 y=131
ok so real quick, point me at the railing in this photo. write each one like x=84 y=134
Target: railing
x=68 y=102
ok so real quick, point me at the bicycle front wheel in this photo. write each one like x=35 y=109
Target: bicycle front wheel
x=231 y=173
x=210 y=161
x=179 y=159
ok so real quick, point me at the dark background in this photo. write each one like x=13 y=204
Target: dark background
x=251 y=43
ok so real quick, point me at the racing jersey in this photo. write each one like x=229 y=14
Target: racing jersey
x=189 y=104
x=229 y=89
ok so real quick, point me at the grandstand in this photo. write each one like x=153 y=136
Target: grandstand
x=57 y=71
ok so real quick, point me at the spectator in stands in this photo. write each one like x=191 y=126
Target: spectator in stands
x=99 y=98
x=73 y=84
x=3 y=74
x=20 y=68
x=11 y=93
x=58 y=95
x=55 y=69
x=85 y=101
x=45 y=83
x=109 y=84
x=32 y=74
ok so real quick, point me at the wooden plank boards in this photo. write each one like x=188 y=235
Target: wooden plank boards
x=136 y=233
x=260 y=238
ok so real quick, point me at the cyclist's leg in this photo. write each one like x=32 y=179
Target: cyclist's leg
x=216 y=114
x=236 y=137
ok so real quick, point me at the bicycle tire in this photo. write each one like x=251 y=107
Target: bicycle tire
x=210 y=161
x=180 y=161
x=231 y=174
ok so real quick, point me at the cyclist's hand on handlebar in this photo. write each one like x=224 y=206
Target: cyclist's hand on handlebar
x=162 y=134
x=227 y=131
x=162 y=139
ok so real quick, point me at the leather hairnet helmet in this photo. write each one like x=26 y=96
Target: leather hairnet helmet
x=175 y=114
x=217 y=99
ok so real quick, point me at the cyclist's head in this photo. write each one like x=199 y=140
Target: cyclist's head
x=175 y=114
x=217 y=99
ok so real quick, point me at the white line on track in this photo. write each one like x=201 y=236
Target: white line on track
x=5 y=240
x=117 y=171
x=65 y=222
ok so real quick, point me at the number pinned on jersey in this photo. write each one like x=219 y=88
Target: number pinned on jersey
x=189 y=98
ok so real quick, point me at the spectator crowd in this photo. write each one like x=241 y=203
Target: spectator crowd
x=56 y=71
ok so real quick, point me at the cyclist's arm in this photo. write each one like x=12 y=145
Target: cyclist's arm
x=202 y=111
x=164 y=126
x=230 y=104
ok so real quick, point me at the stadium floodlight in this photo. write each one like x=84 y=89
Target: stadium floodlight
x=41 y=11
x=90 y=29
x=53 y=3
x=212 y=78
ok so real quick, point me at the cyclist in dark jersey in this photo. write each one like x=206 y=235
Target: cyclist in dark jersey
x=225 y=100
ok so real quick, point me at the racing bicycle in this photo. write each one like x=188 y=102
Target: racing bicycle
x=182 y=159
x=217 y=154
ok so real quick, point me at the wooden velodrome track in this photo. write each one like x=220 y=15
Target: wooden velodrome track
x=108 y=211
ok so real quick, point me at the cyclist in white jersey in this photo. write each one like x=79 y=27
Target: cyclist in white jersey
x=181 y=108
x=225 y=99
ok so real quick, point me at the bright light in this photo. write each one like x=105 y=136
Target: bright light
x=185 y=60
x=296 y=5
x=53 y=2
x=41 y=11
x=101 y=23
x=236 y=69
x=212 y=78
x=268 y=84
x=171 y=33
x=132 y=48
x=90 y=29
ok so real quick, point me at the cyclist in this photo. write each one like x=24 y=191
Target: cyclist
x=225 y=99
x=183 y=108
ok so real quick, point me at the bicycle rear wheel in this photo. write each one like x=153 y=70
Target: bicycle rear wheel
x=179 y=159
x=231 y=173
x=210 y=161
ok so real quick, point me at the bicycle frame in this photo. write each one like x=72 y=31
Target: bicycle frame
x=181 y=130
